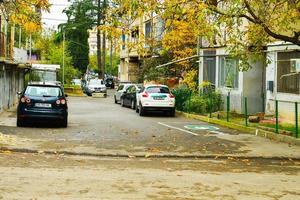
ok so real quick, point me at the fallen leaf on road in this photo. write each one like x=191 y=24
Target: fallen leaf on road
x=147 y=155
x=6 y=151
x=130 y=156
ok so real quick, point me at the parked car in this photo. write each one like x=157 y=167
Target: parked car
x=96 y=86
x=109 y=81
x=42 y=101
x=155 y=98
x=128 y=97
x=76 y=81
x=120 y=91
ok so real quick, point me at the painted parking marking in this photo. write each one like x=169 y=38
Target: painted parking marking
x=180 y=129
x=201 y=127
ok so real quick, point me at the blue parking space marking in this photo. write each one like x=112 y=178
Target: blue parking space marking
x=201 y=127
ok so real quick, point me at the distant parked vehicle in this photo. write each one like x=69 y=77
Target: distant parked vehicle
x=76 y=81
x=42 y=101
x=128 y=97
x=109 y=82
x=96 y=86
x=120 y=91
x=155 y=98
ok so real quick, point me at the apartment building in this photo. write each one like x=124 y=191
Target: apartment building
x=138 y=43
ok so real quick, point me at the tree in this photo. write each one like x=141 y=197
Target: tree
x=80 y=19
x=25 y=13
x=51 y=53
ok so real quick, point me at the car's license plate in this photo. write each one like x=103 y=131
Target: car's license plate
x=159 y=97
x=43 y=105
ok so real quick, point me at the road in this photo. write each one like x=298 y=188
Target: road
x=110 y=152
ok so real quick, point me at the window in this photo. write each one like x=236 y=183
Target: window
x=123 y=41
x=288 y=80
x=209 y=66
x=148 y=29
x=131 y=89
x=41 y=91
x=120 y=87
x=157 y=89
x=228 y=72
x=135 y=34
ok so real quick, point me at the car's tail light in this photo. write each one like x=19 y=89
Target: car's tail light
x=25 y=100
x=172 y=96
x=145 y=94
x=61 y=101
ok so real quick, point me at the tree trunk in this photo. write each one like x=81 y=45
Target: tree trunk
x=100 y=74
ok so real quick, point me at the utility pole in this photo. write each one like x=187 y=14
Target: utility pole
x=100 y=75
x=111 y=52
x=63 y=58
x=103 y=41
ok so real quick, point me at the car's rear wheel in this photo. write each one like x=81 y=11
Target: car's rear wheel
x=122 y=102
x=64 y=123
x=172 y=112
x=20 y=123
x=137 y=109
x=141 y=110
x=133 y=104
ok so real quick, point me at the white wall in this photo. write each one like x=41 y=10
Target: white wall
x=286 y=104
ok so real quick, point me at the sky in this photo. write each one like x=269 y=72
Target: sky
x=55 y=17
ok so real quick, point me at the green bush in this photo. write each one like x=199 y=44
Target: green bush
x=182 y=95
x=197 y=104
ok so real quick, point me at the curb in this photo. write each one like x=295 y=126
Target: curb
x=254 y=131
x=170 y=156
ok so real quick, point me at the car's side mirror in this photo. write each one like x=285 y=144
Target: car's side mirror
x=125 y=92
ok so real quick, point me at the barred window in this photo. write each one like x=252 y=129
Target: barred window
x=228 y=72
x=288 y=80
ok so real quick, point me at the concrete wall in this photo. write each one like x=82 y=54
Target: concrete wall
x=253 y=87
x=286 y=104
x=250 y=84
x=11 y=82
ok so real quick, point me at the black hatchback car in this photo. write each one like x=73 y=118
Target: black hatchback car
x=42 y=102
x=128 y=97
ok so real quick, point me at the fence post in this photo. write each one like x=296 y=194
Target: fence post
x=276 y=116
x=210 y=104
x=296 y=120
x=190 y=96
x=246 y=112
x=228 y=106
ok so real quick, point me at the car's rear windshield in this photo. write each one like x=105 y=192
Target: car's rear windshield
x=96 y=82
x=157 y=89
x=43 y=91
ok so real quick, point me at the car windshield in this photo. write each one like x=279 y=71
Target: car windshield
x=43 y=91
x=157 y=89
x=96 y=82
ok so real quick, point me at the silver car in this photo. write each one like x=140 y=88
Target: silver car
x=120 y=91
x=96 y=86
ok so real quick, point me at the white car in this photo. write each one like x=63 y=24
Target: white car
x=155 y=97
x=96 y=86
x=120 y=91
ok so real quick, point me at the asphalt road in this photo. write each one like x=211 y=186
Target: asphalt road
x=110 y=152
x=99 y=126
